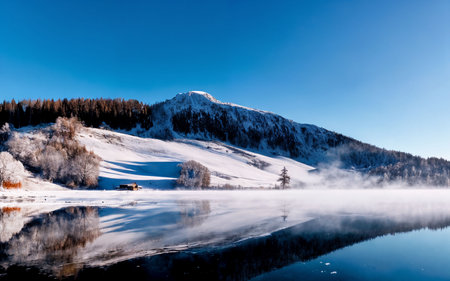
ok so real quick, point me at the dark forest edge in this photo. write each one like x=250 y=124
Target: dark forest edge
x=116 y=113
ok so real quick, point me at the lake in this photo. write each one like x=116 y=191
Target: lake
x=416 y=255
x=226 y=235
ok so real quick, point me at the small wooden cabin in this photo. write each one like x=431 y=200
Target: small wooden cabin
x=129 y=186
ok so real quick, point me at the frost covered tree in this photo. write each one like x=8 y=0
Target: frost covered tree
x=194 y=174
x=56 y=154
x=5 y=131
x=66 y=160
x=284 y=179
x=86 y=167
x=51 y=162
x=11 y=170
x=66 y=128
x=26 y=149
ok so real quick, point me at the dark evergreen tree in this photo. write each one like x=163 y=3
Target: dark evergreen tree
x=284 y=179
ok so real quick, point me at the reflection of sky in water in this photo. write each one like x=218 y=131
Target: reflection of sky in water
x=416 y=255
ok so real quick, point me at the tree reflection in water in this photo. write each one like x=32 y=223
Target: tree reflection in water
x=52 y=241
x=285 y=210
x=194 y=213
x=11 y=222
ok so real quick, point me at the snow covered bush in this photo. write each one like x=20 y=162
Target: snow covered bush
x=73 y=169
x=56 y=154
x=66 y=128
x=194 y=174
x=85 y=169
x=51 y=162
x=11 y=170
x=65 y=159
x=26 y=149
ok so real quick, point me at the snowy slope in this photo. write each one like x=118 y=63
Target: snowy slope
x=153 y=163
x=198 y=115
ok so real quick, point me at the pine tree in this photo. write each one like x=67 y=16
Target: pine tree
x=284 y=178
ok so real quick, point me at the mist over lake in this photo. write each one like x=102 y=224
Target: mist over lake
x=222 y=235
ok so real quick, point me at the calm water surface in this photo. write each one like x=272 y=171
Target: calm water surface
x=229 y=237
x=416 y=255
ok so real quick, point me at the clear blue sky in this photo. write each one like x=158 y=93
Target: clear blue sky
x=378 y=71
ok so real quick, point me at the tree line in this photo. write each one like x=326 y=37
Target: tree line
x=115 y=113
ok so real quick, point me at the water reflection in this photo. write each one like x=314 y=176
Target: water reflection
x=252 y=257
x=188 y=239
x=285 y=208
x=59 y=243
x=50 y=241
x=11 y=222
x=194 y=213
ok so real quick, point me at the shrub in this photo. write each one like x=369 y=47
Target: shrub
x=65 y=129
x=26 y=149
x=57 y=155
x=66 y=160
x=194 y=174
x=11 y=170
x=85 y=169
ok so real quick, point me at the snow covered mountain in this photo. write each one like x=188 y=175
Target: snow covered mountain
x=198 y=115
x=196 y=119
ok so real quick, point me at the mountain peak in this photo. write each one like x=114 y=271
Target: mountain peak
x=197 y=96
x=204 y=94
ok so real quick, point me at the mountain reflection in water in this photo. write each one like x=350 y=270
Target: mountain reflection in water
x=252 y=257
x=184 y=240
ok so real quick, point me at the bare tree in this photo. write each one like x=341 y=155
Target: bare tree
x=284 y=179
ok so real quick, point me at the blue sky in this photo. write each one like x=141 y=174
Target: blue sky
x=378 y=71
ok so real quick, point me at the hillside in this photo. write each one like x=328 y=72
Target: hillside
x=197 y=116
x=153 y=163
